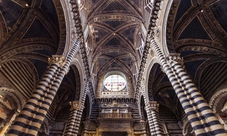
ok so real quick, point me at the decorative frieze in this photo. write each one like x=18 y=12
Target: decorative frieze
x=115 y=17
x=115 y=115
x=119 y=100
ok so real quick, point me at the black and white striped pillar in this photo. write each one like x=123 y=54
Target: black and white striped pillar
x=76 y=111
x=151 y=108
x=73 y=123
x=30 y=119
x=155 y=124
x=201 y=117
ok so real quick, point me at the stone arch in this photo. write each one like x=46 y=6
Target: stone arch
x=80 y=72
x=145 y=81
x=14 y=98
x=218 y=104
x=69 y=25
x=10 y=104
x=45 y=128
x=187 y=129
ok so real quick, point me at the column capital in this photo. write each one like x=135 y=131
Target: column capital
x=175 y=57
x=57 y=59
x=154 y=105
x=75 y=105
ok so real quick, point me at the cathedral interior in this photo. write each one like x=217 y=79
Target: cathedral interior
x=113 y=67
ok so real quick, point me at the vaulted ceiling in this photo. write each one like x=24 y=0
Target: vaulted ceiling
x=114 y=32
x=198 y=31
x=31 y=32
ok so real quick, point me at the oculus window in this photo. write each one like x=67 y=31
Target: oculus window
x=114 y=83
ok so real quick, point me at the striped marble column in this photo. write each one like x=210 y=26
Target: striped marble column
x=7 y=125
x=155 y=124
x=30 y=119
x=73 y=124
x=201 y=117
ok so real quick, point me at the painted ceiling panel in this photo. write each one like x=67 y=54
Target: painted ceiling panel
x=183 y=7
x=63 y=114
x=158 y=70
x=101 y=34
x=28 y=1
x=129 y=34
x=115 y=5
x=40 y=66
x=137 y=2
x=37 y=29
x=94 y=2
x=45 y=52
x=157 y=98
x=164 y=79
x=114 y=42
x=102 y=61
x=48 y=7
x=127 y=61
x=113 y=54
x=192 y=66
x=114 y=23
x=219 y=10
x=11 y=12
x=115 y=65
x=194 y=30
x=185 y=53
x=171 y=94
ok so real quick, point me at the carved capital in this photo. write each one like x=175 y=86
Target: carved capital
x=57 y=59
x=75 y=105
x=154 y=105
x=175 y=57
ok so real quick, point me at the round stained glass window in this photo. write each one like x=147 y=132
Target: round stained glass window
x=115 y=83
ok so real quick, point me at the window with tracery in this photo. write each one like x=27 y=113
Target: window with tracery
x=114 y=83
